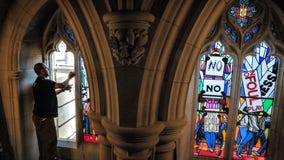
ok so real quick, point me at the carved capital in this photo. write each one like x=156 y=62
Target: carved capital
x=128 y=35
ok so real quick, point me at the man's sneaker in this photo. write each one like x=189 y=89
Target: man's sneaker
x=198 y=149
x=256 y=153
x=240 y=156
x=250 y=155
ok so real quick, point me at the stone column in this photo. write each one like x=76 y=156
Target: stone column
x=105 y=147
x=13 y=114
x=133 y=143
x=167 y=144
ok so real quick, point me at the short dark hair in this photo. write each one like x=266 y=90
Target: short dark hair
x=38 y=67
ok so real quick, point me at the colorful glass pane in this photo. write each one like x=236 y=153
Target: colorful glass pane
x=70 y=34
x=255 y=29
x=259 y=73
x=231 y=33
x=234 y=37
x=248 y=36
x=273 y=29
x=228 y=30
x=213 y=102
x=243 y=12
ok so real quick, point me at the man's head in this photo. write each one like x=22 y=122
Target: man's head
x=41 y=70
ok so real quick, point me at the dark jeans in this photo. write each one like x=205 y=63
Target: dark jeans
x=46 y=136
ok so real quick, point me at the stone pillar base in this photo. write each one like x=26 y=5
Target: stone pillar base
x=133 y=143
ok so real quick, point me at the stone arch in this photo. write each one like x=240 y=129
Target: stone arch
x=19 y=17
x=156 y=63
x=17 y=21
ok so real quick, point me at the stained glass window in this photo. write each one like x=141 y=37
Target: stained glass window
x=212 y=109
x=89 y=133
x=246 y=114
x=259 y=73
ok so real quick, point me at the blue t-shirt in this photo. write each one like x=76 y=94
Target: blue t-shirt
x=45 y=100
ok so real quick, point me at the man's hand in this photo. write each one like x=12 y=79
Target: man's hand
x=68 y=88
x=71 y=75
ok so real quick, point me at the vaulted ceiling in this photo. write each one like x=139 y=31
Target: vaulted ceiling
x=45 y=13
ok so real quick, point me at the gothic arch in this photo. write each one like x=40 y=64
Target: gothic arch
x=158 y=57
x=56 y=31
x=12 y=35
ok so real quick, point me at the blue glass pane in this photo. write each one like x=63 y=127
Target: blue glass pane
x=255 y=29
x=273 y=30
x=228 y=29
x=234 y=37
x=247 y=36
x=70 y=34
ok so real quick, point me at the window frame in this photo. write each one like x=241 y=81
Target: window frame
x=78 y=102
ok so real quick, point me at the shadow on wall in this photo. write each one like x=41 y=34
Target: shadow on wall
x=6 y=150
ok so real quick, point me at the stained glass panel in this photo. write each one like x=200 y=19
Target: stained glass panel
x=243 y=12
x=213 y=102
x=259 y=73
x=231 y=33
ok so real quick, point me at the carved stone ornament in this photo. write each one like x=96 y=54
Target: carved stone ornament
x=128 y=35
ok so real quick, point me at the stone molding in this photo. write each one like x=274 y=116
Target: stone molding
x=166 y=145
x=14 y=75
x=132 y=143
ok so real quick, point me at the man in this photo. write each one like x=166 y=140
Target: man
x=45 y=109
x=199 y=132
x=243 y=126
x=264 y=124
x=253 y=129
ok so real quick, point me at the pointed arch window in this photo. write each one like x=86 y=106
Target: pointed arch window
x=238 y=77
x=62 y=62
x=257 y=92
x=73 y=107
x=213 y=99
x=63 y=56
